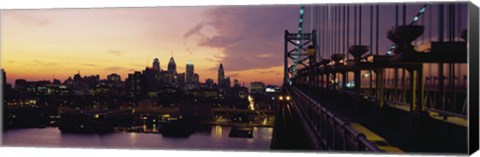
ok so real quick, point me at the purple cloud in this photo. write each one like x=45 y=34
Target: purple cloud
x=247 y=34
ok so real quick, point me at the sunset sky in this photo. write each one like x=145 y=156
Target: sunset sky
x=248 y=40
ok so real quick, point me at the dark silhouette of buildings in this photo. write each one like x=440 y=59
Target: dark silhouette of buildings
x=221 y=75
x=190 y=72
x=114 y=77
x=191 y=77
x=165 y=88
x=257 y=88
x=4 y=78
x=156 y=64
x=172 y=66
x=134 y=84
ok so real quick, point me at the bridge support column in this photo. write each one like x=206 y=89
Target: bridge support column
x=334 y=85
x=358 y=81
x=380 y=91
x=327 y=82
x=380 y=87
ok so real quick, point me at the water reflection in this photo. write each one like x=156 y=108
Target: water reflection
x=217 y=133
x=212 y=137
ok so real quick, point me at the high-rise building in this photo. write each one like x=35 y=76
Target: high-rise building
x=257 y=87
x=151 y=79
x=209 y=83
x=236 y=83
x=77 y=77
x=190 y=72
x=156 y=64
x=114 y=77
x=196 y=78
x=134 y=84
x=227 y=81
x=172 y=66
x=221 y=75
x=180 y=80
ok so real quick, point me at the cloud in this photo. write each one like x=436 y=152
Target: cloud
x=132 y=70
x=267 y=72
x=88 y=64
x=212 y=60
x=212 y=69
x=250 y=37
x=234 y=75
x=195 y=30
x=114 y=68
x=84 y=64
x=189 y=51
x=115 y=52
x=28 y=19
x=138 y=65
x=44 y=63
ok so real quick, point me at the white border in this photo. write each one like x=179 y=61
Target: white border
x=43 y=4
x=71 y=152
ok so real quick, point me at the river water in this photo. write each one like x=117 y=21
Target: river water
x=213 y=138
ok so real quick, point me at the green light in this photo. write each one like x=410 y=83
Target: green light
x=422 y=9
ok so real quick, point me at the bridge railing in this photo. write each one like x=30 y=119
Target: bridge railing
x=332 y=132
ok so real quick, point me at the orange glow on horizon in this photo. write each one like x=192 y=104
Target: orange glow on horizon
x=57 y=43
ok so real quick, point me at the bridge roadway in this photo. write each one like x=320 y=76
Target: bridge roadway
x=287 y=133
x=383 y=134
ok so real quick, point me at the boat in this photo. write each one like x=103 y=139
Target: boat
x=245 y=132
x=182 y=127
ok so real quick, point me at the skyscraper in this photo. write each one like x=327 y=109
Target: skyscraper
x=227 y=81
x=180 y=77
x=172 y=66
x=156 y=64
x=221 y=75
x=134 y=84
x=189 y=72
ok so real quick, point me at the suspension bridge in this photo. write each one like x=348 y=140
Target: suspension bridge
x=359 y=82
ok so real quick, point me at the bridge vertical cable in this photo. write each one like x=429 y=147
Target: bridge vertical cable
x=299 y=35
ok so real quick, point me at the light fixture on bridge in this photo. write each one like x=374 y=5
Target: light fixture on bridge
x=310 y=50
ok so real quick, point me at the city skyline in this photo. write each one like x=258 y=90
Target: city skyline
x=48 y=44
x=171 y=68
